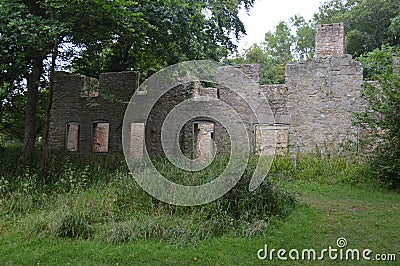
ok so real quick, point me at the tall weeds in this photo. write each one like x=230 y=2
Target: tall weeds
x=96 y=197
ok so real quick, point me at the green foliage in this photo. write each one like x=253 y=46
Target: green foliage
x=368 y=23
x=279 y=42
x=166 y=32
x=325 y=212
x=304 y=45
x=96 y=198
x=280 y=47
x=381 y=119
x=332 y=170
x=112 y=216
x=95 y=36
x=277 y=51
x=28 y=31
x=238 y=210
x=382 y=116
x=380 y=61
x=88 y=197
x=268 y=55
x=24 y=35
x=12 y=102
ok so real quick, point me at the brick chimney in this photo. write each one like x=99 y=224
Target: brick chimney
x=329 y=40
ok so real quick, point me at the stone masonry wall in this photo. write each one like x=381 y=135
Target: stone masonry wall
x=322 y=96
x=277 y=94
x=75 y=103
x=187 y=140
x=313 y=110
x=268 y=136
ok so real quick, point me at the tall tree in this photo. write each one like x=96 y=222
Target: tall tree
x=120 y=34
x=367 y=22
x=28 y=28
x=170 y=31
x=272 y=54
x=304 y=39
x=24 y=43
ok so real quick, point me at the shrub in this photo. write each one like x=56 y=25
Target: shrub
x=382 y=117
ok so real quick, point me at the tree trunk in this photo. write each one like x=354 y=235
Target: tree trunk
x=33 y=80
x=45 y=166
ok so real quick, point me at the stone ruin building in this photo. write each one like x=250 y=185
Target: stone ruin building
x=313 y=110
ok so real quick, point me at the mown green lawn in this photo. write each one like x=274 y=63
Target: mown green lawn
x=366 y=218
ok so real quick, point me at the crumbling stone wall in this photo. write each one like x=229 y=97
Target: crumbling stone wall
x=87 y=114
x=159 y=113
x=321 y=98
x=313 y=110
x=277 y=94
x=188 y=138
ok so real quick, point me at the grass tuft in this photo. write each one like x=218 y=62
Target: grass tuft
x=74 y=225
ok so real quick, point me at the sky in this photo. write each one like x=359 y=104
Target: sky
x=266 y=14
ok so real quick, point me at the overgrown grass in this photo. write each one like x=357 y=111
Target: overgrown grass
x=87 y=197
x=324 y=170
x=367 y=218
x=89 y=206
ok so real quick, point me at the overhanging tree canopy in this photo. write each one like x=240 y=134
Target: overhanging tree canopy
x=107 y=36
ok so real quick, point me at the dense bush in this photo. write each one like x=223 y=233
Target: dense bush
x=382 y=120
x=382 y=117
